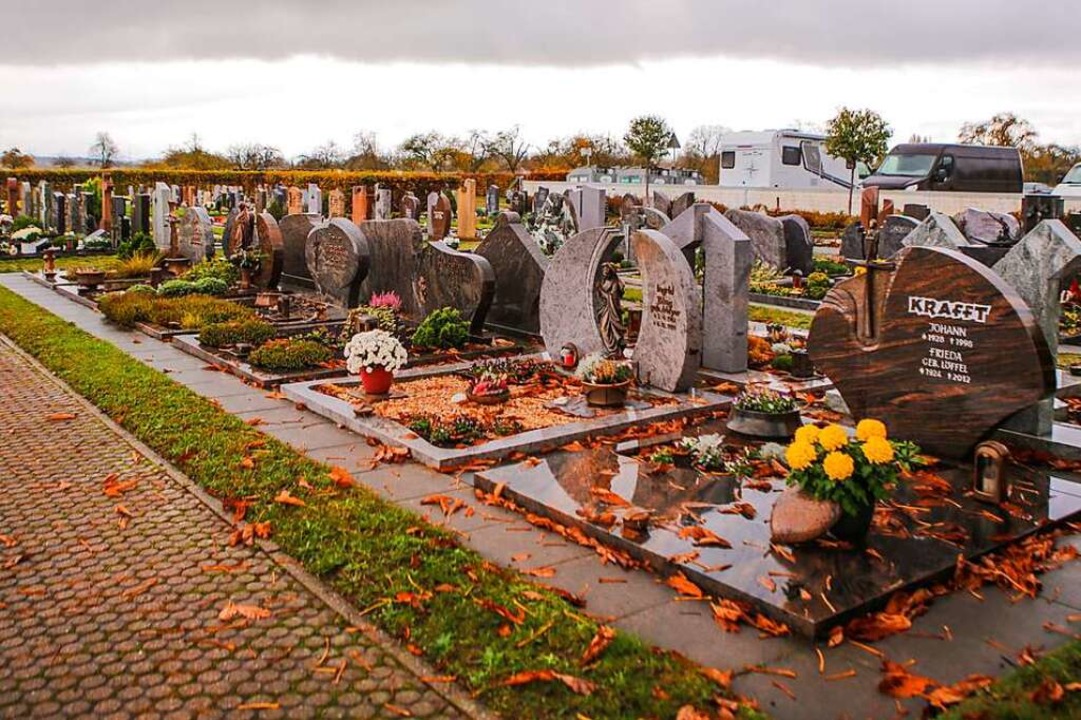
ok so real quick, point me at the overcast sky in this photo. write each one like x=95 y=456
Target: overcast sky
x=294 y=74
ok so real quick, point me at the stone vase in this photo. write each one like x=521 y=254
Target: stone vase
x=376 y=381
x=797 y=517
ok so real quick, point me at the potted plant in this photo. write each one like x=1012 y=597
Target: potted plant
x=606 y=381
x=764 y=413
x=853 y=473
x=375 y=355
x=248 y=261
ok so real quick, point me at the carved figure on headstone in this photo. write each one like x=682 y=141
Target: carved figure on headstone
x=610 y=319
x=243 y=230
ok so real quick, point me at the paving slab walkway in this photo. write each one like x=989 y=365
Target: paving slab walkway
x=987 y=634
x=116 y=580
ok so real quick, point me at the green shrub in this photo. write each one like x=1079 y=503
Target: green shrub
x=219 y=268
x=251 y=331
x=141 y=290
x=139 y=244
x=210 y=286
x=782 y=362
x=127 y=308
x=286 y=355
x=193 y=312
x=388 y=319
x=818 y=284
x=444 y=329
x=831 y=267
x=22 y=222
x=176 y=288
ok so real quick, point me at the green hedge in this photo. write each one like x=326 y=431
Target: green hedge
x=421 y=183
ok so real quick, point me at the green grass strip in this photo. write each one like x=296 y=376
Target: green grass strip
x=63 y=262
x=1011 y=697
x=788 y=318
x=370 y=549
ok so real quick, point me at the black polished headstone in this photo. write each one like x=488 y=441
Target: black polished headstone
x=338 y=260
x=519 y=267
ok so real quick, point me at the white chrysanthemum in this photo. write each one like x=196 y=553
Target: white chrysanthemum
x=375 y=348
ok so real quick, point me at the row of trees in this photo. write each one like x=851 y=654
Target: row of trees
x=856 y=135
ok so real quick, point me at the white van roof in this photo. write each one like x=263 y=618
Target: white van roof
x=764 y=137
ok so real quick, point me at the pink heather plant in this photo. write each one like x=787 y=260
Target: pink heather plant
x=388 y=299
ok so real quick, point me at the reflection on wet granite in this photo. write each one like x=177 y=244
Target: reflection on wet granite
x=916 y=539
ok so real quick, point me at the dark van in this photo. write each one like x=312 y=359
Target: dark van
x=945 y=168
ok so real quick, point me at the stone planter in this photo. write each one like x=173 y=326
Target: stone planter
x=606 y=395
x=89 y=280
x=770 y=426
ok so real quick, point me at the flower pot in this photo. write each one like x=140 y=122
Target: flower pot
x=606 y=395
x=376 y=381
x=853 y=528
x=772 y=426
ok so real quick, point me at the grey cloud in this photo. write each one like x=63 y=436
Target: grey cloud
x=543 y=32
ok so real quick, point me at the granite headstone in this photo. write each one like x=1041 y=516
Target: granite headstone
x=669 y=349
x=337 y=256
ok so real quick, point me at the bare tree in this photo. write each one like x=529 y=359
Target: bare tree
x=104 y=149
x=327 y=155
x=508 y=146
x=1005 y=129
x=254 y=156
x=430 y=150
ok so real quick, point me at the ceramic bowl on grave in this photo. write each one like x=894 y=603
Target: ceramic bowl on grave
x=614 y=395
x=767 y=426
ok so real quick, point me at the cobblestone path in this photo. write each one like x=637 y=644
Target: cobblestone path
x=120 y=597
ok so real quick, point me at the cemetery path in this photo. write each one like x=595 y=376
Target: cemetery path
x=120 y=595
x=987 y=633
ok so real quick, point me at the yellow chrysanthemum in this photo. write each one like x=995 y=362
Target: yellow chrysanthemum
x=878 y=450
x=833 y=437
x=860 y=270
x=838 y=466
x=870 y=428
x=800 y=455
x=807 y=434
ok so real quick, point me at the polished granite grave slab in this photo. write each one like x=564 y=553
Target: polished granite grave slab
x=638 y=412
x=817 y=586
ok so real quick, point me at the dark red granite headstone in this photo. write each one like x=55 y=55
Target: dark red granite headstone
x=940 y=349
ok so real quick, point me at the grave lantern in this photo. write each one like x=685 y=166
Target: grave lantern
x=989 y=472
x=568 y=356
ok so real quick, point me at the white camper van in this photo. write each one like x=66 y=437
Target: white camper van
x=780 y=159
